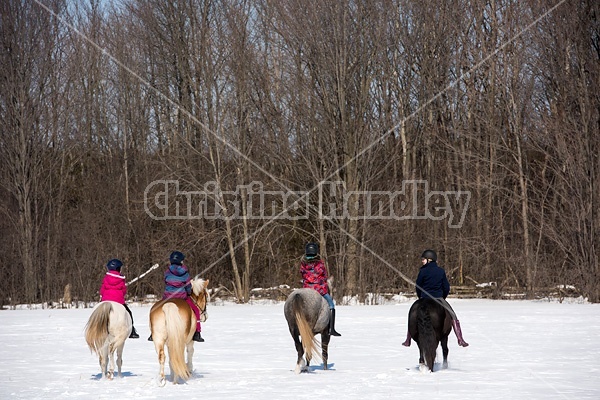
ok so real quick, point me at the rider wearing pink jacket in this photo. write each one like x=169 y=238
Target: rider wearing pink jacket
x=314 y=276
x=113 y=288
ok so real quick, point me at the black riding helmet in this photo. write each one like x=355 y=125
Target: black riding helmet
x=311 y=250
x=430 y=255
x=176 y=257
x=114 y=265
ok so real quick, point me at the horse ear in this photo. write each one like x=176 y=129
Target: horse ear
x=206 y=283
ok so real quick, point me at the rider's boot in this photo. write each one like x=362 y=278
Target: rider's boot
x=197 y=337
x=134 y=334
x=458 y=332
x=332 y=330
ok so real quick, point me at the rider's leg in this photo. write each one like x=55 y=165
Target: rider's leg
x=197 y=336
x=134 y=334
x=455 y=323
x=332 y=330
x=458 y=332
x=407 y=341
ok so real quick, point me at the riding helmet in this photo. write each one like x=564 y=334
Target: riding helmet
x=176 y=257
x=429 y=254
x=114 y=265
x=311 y=250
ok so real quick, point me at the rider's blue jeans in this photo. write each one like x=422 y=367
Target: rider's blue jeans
x=327 y=297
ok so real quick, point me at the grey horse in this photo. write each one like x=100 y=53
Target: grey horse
x=307 y=314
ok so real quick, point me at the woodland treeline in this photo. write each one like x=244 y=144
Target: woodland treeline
x=101 y=99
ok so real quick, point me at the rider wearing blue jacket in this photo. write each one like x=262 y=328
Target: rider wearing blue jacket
x=432 y=282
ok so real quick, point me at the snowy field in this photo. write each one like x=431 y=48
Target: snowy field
x=518 y=350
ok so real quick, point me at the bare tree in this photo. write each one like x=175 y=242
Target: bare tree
x=29 y=56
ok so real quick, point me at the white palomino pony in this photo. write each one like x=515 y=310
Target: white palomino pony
x=106 y=331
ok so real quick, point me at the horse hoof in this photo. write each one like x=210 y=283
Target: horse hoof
x=301 y=366
x=162 y=381
x=424 y=369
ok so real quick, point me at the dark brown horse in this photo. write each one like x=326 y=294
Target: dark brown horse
x=307 y=314
x=429 y=325
x=172 y=322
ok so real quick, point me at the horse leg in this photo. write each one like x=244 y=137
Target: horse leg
x=444 y=342
x=190 y=356
x=422 y=362
x=307 y=357
x=103 y=363
x=111 y=364
x=300 y=364
x=325 y=337
x=421 y=358
x=120 y=359
x=161 y=361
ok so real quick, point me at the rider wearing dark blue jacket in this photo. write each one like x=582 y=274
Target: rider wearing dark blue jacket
x=432 y=282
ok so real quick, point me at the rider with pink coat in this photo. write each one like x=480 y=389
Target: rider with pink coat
x=113 y=288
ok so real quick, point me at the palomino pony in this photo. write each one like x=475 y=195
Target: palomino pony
x=429 y=324
x=307 y=314
x=172 y=322
x=106 y=331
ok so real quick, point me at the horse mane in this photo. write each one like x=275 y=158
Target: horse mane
x=198 y=285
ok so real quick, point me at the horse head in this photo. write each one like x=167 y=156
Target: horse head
x=200 y=296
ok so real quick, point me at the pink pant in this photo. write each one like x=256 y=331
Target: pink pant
x=196 y=311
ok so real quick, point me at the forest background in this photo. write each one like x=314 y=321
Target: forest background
x=481 y=117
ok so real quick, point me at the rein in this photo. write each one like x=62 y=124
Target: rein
x=202 y=309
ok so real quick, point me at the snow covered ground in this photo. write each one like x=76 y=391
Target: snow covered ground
x=518 y=350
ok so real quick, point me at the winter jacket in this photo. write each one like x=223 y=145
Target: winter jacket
x=113 y=287
x=314 y=275
x=432 y=281
x=177 y=282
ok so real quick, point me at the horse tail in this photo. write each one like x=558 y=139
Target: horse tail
x=96 y=329
x=176 y=340
x=427 y=338
x=306 y=333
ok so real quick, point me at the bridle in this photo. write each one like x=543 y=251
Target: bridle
x=203 y=309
